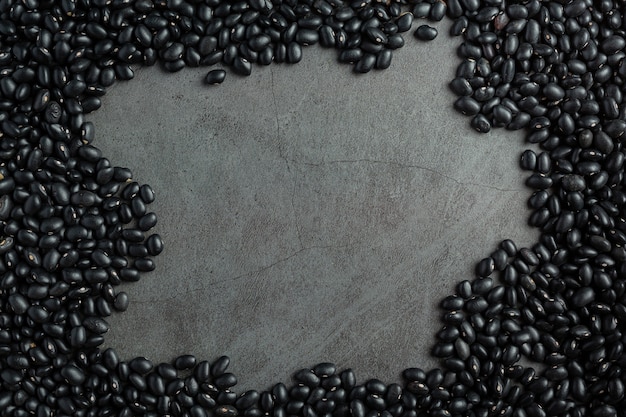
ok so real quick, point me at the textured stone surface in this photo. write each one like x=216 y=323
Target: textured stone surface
x=309 y=214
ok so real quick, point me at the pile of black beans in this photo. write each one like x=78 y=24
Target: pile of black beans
x=537 y=332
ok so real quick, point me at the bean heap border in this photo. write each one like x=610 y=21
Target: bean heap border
x=73 y=226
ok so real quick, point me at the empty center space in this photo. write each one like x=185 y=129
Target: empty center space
x=309 y=214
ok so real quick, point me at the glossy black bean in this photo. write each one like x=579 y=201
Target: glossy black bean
x=121 y=302
x=365 y=64
x=467 y=106
x=144 y=264
x=247 y=400
x=437 y=11
x=583 y=296
x=307 y=37
x=481 y=123
x=294 y=53
x=226 y=411
x=426 y=33
x=73 y=375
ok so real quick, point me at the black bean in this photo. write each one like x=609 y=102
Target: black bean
x=215 y=77
x=53 y=111
x=539 y=181
x=226 y=411
x=461 y=87
x=425 y=32
x=154 y=244
x=306 y=36
x=219 y=366
x=437 y=11
x=121 y=302
x=307 y=377
x=73 y=375
x=241 y=66
x=197 y=411
x=528 y=160
x=583 y=296
x=350 y=55
x=481 y=123
x=383 y=59
x=173 y=52
x=143 y=264
x=605 y=410
x=573 y=182
x=247 y=400
x=294 y=53
x=467 y=106
x=365 y=64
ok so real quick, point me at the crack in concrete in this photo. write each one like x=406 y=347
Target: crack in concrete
x=283 y=157
x=245 y=275
x=273 y=90
x=275 y=103
x=402 y=165
x=296 y=221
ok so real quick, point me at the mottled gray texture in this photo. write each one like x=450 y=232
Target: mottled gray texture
x=309 y=214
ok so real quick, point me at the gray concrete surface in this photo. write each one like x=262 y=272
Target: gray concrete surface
x=309 y=214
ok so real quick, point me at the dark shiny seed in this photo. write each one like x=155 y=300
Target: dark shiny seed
x=144 y=264
x=294 y=53
x=225 y=380
x=73 y=375
x=219 y=366
x=467 y=106
x=426 y=33
x=197 y=411
x=404 y=22
x=247 y=400
x=383 y=59
x=241 y=66
x=437 y=11
x=376 y=35
x=121 y=302
x=324 y=370
x=215 y=77
x=528 y=160
x=226 y=411
x=307 y=37
x=461 y=87
x=583 y=297
x=350 y=55
x=612 y=44
x=365 y=63
x=395 y=41
x=307 y=377
x=53 y=112
x=481 y=123
x=173 y=52
x=573 y=182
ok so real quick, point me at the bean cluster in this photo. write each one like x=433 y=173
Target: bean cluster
x=73 y=226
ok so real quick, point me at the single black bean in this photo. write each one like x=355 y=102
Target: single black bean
x=73 y=375
x=226 y=411
x=583 y=296
x=294 y=53
x=481 y=123
x=306 y=36
x=467 y=106
x=425 y=32
x=383 y=59
x=216 y=76
x=365 y=64
x=437 y=11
